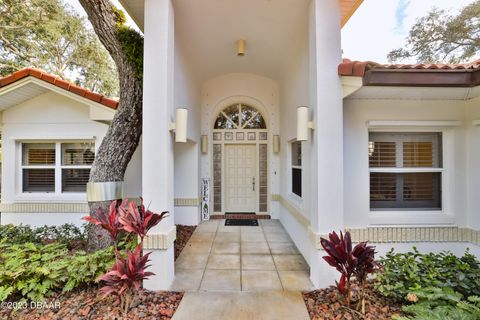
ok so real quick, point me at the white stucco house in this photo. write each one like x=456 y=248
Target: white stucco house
x=390 y=153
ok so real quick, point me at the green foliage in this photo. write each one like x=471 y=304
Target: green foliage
x=33 y=271
x=440 y=37
x=70 y=235
x=132 y=44
x=404 y=272
x=441 y=303
x=49 y=35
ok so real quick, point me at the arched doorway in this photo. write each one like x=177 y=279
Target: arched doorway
x=240 y=160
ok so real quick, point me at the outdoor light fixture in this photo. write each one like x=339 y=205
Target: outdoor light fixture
x=241 y=45
x=204 y=144
x=303 y=124
x=180 y=125
x=276 y=144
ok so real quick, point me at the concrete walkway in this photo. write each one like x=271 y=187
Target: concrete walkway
x=232 y=272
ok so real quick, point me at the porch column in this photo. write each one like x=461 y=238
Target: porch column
x=326 y=203
x=157 y=157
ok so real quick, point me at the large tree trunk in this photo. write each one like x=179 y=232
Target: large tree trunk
x=124 y=133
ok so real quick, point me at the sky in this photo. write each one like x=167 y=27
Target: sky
x=377 y=27
x=380 y=26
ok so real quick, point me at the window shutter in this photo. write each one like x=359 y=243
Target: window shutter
x=38 y=154
x=382 y=154
x=383 y=187
x=38 y=180
x=75 y=180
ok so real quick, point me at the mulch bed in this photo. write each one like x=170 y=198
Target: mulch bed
x=88 y=304
x=183 y=234
x=327 y=304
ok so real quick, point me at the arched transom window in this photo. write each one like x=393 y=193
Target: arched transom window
x=238 y=117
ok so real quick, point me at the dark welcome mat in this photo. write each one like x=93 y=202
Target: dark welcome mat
x=241 y=222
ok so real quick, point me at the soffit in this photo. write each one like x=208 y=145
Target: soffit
x=415 y=93
x=135 y=9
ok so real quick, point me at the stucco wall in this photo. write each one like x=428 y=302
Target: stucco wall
x=187 y=92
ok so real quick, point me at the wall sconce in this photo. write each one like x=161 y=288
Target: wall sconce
x=276 y=144
x=204 y=144
x=303 y=124
x=241 y=45
x=180 y=125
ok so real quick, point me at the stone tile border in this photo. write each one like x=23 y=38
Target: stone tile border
x=406 y=235
x=160 y=241
x=47 y=207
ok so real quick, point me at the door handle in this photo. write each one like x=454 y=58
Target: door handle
x=253 y=183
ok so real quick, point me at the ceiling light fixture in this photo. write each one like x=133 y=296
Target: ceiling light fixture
x=241 y=45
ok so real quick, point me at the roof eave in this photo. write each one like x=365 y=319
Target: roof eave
x=422 y=78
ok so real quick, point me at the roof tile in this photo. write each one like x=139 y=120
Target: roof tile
x=359 y=68
x=62 y=83
x=39 y=74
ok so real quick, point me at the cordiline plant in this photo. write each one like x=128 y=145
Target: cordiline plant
x=127 y=274
x=358 y=262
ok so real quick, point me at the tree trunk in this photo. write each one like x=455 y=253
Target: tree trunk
x=124 y=133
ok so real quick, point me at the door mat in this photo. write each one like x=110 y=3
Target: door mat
x=238 y=215
x=241 y=222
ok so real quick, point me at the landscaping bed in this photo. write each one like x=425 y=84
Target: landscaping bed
x=88 y=304
x=326 y=304
x=183 y=235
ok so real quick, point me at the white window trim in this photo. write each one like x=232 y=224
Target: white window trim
x=446 y=215
x=57 y=195
x=293 y=196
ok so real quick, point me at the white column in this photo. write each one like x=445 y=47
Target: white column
x=326 y=201
x=157 y=148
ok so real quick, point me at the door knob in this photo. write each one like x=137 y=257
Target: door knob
x=253 y=183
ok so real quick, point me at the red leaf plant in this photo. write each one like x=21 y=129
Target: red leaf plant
x=358 y=262
x=137 y=221
x=125 y=278
x=108 y=221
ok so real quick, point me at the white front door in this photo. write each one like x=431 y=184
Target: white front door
x=240 y=178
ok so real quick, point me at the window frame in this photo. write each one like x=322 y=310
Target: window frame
x=57 y=194
x=298 y=167
x=417 y=217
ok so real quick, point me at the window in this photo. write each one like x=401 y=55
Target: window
x=41 y=167
x=405 y=170
x=240 y=116
x=296 y=151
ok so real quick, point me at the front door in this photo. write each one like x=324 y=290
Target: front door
x=240 y=177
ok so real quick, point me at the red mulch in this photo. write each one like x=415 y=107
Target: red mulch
x=183 y=234
x=88 y=304
x=328 y=304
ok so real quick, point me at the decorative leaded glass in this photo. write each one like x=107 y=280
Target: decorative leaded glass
x=217 y=177
x=262 y=136
x=240 y=136
x=252 y=136
x=263 y=183
x=217 y=136
x=240 y=116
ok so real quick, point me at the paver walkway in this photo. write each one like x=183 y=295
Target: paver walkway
x=232 y=272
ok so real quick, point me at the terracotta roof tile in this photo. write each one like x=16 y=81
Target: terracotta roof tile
x=39 y=74
x=359 y=68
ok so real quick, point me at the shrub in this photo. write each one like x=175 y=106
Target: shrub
x=440 y=303
x=125 y=278
x=34 y=271
x=405 y=272
x=358 y=262
x=68 y=234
